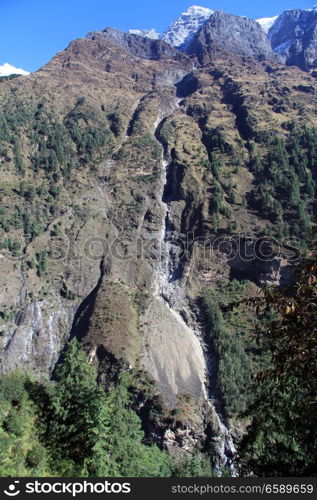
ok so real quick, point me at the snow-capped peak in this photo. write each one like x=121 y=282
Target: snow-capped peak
x=7 y=69
x=186 y=25
x=195 y=10
x=267 y=22
x=146 y=33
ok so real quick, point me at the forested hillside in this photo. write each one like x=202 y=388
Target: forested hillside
x=147 y=194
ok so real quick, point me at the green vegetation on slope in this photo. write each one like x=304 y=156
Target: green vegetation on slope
x=81 y=430
x=281 y=439
x=40 y=152
x=285 y=189
x=227 y=334
x=73 y=428
x=21 y=450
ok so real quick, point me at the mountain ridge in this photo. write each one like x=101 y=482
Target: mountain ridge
x=186 y=25
x=293 y=42
x=137 y=182
x=293 y=36
x=225 y=33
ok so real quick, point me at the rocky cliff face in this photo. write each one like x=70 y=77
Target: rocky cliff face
x=182 y=30
x=225 y=33
x=266 y=23
x=139 y=46
x=124 y=169
x=294 y=37
x=153 y=34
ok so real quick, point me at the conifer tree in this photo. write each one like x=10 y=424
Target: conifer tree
x=79 y=417
x=129 y=456
x=282 y=437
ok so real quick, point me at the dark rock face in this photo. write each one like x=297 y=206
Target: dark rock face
x=294 y=37
x=225 y=33
x=142 y=47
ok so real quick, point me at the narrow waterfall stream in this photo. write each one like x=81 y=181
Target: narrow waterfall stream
x=171 y=291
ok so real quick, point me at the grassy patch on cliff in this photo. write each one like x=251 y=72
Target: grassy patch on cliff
x=229 y=330
x=114 y=323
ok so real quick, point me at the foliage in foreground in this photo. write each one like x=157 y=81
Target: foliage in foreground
x=282 y=437
x=73 y=428
x=21 y=450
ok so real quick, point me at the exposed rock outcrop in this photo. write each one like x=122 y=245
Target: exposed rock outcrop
x=225 y=33
x=294 y=37
x=182 y=30
x=140 y=46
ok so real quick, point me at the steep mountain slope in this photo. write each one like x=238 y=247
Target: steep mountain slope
x=293 y=36
x=267 y=22
x=186 y=25
x=128 y=175
x=146 y=33
x=225 y=33
x=143 y=47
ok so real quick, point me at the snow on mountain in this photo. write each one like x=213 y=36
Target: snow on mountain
x=7 y=69
x=267 y=22
x=294 y=37
x=186 y=25
x=146 y=33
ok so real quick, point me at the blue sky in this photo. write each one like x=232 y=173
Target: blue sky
x=32 y=31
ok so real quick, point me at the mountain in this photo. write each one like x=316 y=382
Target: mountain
x=7 y=70
x=147 y=191
x=267 y=22
x=186 y=25
x=225 y=33
x=294 y=37
x=143 y=47
x=292 y=34
x=146 y=33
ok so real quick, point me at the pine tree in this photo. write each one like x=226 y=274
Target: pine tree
x=79 y=416
x=97 y=434
x=293 y=191
x=129 y=456
x=194 y=466
x=21 y=451
x=282 y=437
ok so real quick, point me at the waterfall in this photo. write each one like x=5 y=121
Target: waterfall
x=170 y=290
